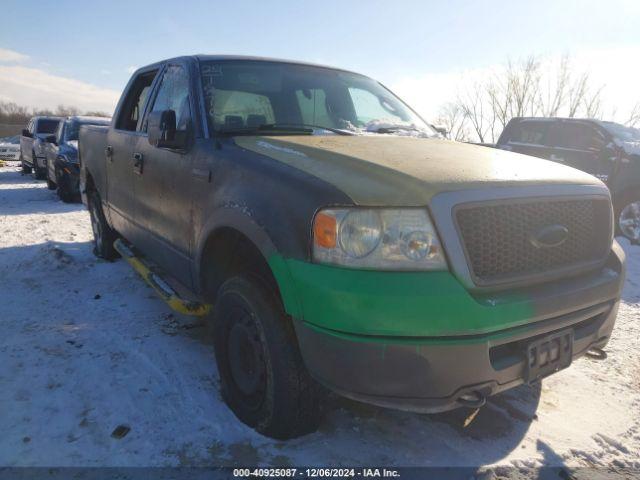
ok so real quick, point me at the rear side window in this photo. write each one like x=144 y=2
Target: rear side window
x=528 y=132
x=47 y=126
x=133 y=108
x=576 y=136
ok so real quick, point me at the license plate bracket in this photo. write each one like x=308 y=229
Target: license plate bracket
x=548 y=355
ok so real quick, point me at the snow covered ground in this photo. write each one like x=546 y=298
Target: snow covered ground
x=86 y=346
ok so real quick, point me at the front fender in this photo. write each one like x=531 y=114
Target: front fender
x=239 y=219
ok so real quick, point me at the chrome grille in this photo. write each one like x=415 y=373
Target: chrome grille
x=497 y=237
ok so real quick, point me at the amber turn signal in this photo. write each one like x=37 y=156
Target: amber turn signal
x=325 y=230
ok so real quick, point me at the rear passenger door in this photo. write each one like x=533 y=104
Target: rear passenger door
x=163 y=186
x=122 y=142
x=580 y=145
x=528 y=137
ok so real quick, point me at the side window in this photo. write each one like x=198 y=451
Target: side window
x=173 y=94
x=313 y=106
x=133 y=107
x=529 y=132
x=577 y=136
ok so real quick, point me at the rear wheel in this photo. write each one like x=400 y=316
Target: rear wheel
x=262 y=375
x=103 y=234
x=628 y=216
x=40 y=173
x=26 y=169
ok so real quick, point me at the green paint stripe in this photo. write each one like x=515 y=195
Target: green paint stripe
x=407 y=304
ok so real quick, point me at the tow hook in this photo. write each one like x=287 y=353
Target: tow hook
x=596 y=353
x=472 y=399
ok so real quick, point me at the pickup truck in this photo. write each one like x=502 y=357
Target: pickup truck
x=32 y=155
x=607 y=150
x=343 y=245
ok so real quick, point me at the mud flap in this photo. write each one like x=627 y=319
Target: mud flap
x=162 y=288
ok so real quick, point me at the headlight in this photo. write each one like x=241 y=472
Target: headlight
x=380 y=238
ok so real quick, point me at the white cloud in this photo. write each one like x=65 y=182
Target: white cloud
x=614 y=68
x=104 y=71
x=36 y=88
x=9 y=56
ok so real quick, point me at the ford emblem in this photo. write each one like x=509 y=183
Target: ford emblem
x=549 y=236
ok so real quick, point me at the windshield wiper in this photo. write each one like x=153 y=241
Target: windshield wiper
x=309 y=127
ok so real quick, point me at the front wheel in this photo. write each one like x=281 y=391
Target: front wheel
x=262 y=375
x=628 y=216
x=64 y=188
x=103 y=234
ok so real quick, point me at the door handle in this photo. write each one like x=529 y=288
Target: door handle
x=555 y=158
x=108 y=151
x=138 y=163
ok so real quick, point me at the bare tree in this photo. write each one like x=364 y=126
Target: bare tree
x=529 y=88
x=634 y=116
x=452 y=118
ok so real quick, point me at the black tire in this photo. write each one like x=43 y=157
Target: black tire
x=262 y=375
x=26 y=169
x=51 y=185
x=64 y=190
x=103 y=235
x=629 y=205
x=40 y=173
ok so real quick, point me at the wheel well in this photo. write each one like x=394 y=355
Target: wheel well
x=228 y=252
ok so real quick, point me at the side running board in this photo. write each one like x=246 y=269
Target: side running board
x=162 y=288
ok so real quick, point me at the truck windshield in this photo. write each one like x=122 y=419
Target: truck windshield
x=249 y=96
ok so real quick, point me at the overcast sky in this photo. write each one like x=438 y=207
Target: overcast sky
x=82 y=53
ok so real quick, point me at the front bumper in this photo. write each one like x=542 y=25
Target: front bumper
x=414 y=341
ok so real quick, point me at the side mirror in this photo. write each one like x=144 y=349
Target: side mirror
x=50 y=139
x=161 y=129
x=26 y=133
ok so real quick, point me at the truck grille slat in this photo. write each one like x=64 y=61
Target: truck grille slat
x=498 y=237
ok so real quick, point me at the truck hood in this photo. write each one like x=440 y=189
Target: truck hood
x=406 y=171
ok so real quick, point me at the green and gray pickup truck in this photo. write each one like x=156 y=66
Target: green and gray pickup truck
x=342 y=244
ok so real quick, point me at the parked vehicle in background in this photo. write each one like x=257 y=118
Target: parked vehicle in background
x=10 y=148
x=341 y=243
x=607 y=150
x=61 y=151
x=32 y=155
